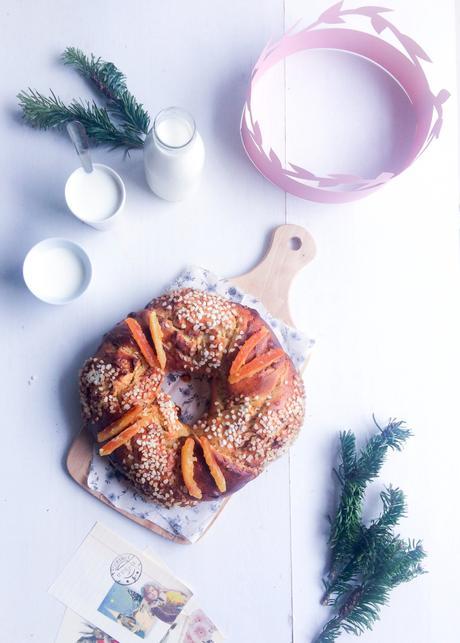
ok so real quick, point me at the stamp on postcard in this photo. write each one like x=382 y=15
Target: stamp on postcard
x=126 y=569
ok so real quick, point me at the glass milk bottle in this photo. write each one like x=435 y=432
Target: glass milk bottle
x=173 y=155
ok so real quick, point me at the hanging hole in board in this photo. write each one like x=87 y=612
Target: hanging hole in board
x=295 y=243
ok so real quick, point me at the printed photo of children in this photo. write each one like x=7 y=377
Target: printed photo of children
x=138 y=611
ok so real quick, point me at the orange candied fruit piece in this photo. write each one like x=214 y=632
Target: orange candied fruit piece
x=257 y=364
x=124 y=421
x=214 y=468
x=122 y=437
x=141 y=341
x=157 y=338
x=187 y=464
x=245 y=351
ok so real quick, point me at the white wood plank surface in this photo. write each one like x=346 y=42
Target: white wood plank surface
x=381 y=298
x=199 y=56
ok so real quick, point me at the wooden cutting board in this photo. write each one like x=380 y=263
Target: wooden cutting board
x=291 y=248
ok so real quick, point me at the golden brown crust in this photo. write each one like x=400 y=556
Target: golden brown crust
x=249 y=423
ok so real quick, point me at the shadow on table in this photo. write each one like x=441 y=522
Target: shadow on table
x=229 y=100
x=132 y=172
x=12 y=277
x=69 y=397
x=16 y=243
x=44 y=201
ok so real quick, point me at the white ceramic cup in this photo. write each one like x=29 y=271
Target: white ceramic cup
x=97 y=198
x=57 y=271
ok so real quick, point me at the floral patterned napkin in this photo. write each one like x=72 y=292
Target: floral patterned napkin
x=191 y=396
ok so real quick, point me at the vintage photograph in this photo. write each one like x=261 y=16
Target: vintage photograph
x=139 y=610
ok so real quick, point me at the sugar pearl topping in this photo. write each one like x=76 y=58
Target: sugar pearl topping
x=248 y=424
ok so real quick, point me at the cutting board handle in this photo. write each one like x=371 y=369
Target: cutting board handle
x=291 y=248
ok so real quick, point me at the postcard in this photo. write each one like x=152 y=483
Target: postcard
x=193 y=626
x=75 y=629
x=120 y=590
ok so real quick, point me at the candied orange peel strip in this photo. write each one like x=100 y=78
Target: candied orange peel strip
x=124 y=421
x=157 y=338
x=123 y=437
x=257 y=364
x=245 y=351
x=214 y=468
x=187 y=464
x=141 y=340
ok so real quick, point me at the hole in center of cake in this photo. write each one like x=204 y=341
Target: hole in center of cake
x=191 y=393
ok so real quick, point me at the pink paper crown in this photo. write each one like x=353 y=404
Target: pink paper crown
x=402 y=63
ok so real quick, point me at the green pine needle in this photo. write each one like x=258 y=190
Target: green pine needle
x=367 y=562
x=111 y=82
x=354 y=473
x=123 y=122
x=394 y=508
x=46 y=112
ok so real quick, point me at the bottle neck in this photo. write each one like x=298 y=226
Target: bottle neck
x=174 y=130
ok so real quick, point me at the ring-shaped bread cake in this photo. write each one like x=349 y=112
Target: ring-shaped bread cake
x=255 y=411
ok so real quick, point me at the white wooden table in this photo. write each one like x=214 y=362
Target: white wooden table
x=381 y=299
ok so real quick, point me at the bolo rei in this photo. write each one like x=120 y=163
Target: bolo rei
x=256 y=406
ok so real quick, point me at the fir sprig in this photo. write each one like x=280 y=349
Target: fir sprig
x=366 y=561
x=122 y=122
x=46 y=112
x=111 y=82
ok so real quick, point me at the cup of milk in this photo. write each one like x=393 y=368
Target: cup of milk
x=57 y=271
x=173 y=155
x=96 y=198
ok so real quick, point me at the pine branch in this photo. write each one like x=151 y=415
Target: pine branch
x=111 y=82
x=331 y=631
x=398 y=562
x=106 y=77
x=394 y=508
x=367 y=562
x=46 y=112
x=373 y=455
x=345 y=525
x=130 y=123
x=355 y=473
